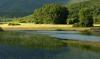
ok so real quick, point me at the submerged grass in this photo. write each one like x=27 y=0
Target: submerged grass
x=22 y=39
x=87 y=45
x=92 y=31
x=86 y=32
x=26 y=40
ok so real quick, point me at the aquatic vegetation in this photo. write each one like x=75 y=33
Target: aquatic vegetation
x=92 y=31
x=26 y=40
x=87 y=45
x=86 y=32
x=23 y=39
x=95 y=31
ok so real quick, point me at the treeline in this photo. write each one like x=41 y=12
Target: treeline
x=5 y=19
x=48 y=14
x=80 y=14
x=92 y=5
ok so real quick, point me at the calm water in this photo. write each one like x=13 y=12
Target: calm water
x=75 y=35
x=7 y=52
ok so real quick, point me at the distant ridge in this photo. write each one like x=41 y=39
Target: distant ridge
x=23 y=7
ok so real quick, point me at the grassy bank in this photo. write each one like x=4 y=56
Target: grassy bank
x=92 y=31
x=26 y=40
x=31 y=26
x=87 y=45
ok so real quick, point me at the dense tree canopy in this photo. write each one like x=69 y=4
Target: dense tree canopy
x=83 y=13
x=51 y=13
x=85 y=17
x=93 y=5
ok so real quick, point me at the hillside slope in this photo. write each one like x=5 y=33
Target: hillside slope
x=23 y=7
x=93 y=5
x=26 y=7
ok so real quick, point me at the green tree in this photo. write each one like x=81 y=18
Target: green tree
x=85 y=17
x=51 y=14
x=93 y=5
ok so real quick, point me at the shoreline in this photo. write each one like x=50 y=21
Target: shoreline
x=87 y=45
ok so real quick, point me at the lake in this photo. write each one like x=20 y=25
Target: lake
x=12 y=52
x=73 y=35
x=9 y=52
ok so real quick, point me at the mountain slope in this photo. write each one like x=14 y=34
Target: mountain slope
x=26 y=7
x=23 y=7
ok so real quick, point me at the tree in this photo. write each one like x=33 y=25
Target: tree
x=85 y=17
x=51 y=14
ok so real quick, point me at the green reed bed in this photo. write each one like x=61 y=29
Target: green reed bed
x=87 y=45
x=26 y=40
x=91 y=31
x=22 y=39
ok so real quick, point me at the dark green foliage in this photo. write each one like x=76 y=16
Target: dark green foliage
x=51 y=14
x=85 y=17
x=76 y=25
x=92 y=5
x=1 y=29
x=57 y=14
x=13 y=24
x=72 y=21
x=27 y=19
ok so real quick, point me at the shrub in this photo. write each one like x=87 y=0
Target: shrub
x=1 y=29
x=13 y=24
x=76 y=25
x=86 y=32
x=85 y=17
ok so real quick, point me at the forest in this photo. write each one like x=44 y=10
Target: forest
x=80 y=14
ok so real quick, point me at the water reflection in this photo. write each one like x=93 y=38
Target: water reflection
x=75 y=35
x=8 y=52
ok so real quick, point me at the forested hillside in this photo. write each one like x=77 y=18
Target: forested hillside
x=18 y=8
x=90 y=10
x=92 y=5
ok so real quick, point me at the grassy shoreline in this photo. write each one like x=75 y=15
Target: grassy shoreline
x=22 y=39
x=41 y=27
x=31 y=26
x=87 y=45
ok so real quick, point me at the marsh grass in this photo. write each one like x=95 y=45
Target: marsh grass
x=32 y=41
x=22 y=39
x=95 y=31
x=86 y=32
x=87 y=45
x=92 y=31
